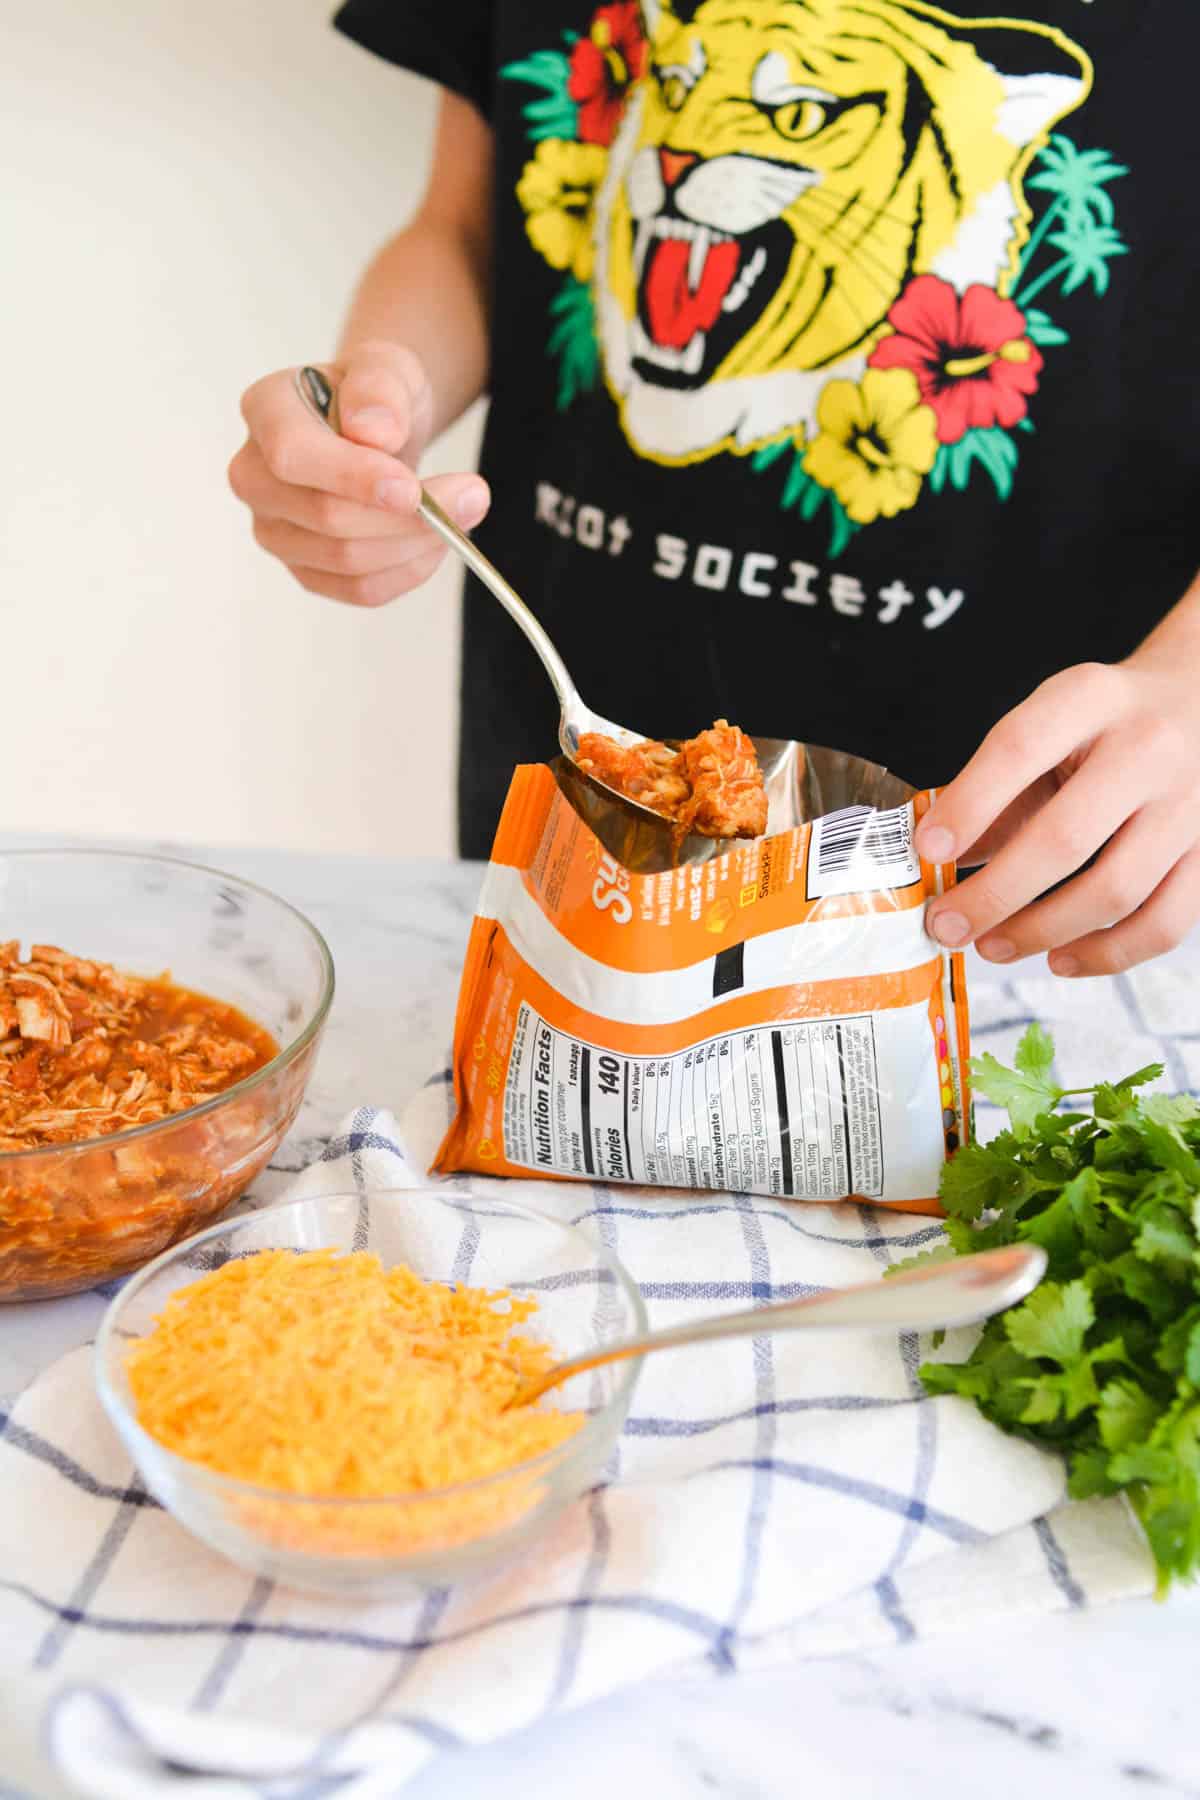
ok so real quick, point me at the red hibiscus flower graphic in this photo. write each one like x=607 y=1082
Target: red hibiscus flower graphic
x=973 y=362
x=602 y=66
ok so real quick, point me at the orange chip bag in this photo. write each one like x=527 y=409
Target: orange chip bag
x=772 y=1019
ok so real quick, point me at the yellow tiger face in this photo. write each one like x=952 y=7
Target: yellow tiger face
x=783 y=169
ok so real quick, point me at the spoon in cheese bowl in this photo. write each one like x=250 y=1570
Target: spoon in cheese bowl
x=764 y=760
x=962 y=1292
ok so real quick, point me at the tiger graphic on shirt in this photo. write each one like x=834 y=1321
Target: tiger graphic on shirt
x=798 y=231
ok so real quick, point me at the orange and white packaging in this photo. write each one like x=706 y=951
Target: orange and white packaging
x=774 y=1020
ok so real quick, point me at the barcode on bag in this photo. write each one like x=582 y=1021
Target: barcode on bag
x=860 y=851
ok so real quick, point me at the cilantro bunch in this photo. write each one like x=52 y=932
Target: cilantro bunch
x=1102 y=1361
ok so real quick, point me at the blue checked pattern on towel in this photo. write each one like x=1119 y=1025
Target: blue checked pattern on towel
x=774 y=1499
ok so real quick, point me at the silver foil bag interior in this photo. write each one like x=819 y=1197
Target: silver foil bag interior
x=803 y=782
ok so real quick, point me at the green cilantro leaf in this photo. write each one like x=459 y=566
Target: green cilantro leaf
x=1116 y=1100
x=1139 y=1078
x=978 y=1178
x=1165 y=1237
x=1045 y=1401
x=1147 y=1285
x=1113 y=1103
x=1071 y=1226
x=1143 y=1463
x=922 y=1259
x=1126 y=1414
x=965 y=1238
x=1052 y=1322
x=1024 y=1096
x=995 y=1377
x=1080 y=1387
x=1057 y=1230
x=1102 y=1361
x=1035 y=1054
x=1166 y=1145
x=1170 y=1516
x=1171 y=1109
x=1179 y=1346
x=1089 y=1474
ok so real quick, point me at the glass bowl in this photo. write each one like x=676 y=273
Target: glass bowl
x=72 y=1215
x=402 y=1545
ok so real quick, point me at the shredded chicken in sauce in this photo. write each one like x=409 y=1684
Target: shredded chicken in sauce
x=86 y=1050
x=711 y=784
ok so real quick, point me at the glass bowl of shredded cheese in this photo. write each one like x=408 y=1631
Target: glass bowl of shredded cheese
x=320 y=1390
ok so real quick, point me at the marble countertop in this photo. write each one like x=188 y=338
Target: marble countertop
x=1096 y=1703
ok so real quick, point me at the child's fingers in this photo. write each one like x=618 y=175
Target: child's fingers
x=375 y=589
x=384 y=398
x=1014 y=818
x=327 y=536
x=269 y=498
x=1085 y=813
x=1138 y=858
x=314 y=550
x=1159 y=925
x=342 y=515
x=1035 y=737
x=302 y=452
x=465 y=497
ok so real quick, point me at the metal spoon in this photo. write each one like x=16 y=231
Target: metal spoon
x=574 y=716
x=945 y=1294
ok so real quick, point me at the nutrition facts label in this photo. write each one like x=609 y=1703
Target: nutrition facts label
x=784 y=1109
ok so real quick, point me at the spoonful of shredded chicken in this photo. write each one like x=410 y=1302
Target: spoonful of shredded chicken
x=711 y=784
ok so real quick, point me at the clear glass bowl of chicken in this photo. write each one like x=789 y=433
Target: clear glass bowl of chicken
x=159 y=1022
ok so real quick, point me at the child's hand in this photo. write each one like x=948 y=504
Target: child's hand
x=1099 y=758
x=340 y=512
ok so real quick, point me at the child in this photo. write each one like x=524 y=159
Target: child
x=843 y=383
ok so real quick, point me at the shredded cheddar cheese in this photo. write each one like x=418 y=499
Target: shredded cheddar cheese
x=324 y=1374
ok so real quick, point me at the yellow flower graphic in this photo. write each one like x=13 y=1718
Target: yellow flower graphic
x=557 y=189
x=875 y=443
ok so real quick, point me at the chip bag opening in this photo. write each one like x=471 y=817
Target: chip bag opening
x=772 y=1019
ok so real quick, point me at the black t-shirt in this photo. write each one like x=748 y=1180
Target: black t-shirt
x=846 y=358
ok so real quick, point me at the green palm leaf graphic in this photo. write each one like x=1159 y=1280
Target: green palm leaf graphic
x=554 y=114
x=1040 y=329
x=991 y=447
x=573 y=341
x=1087 y=247
x=1081 y=211
x=936 y=478
x=798 y=483
x=808 y=496
x=769 y=453
x=843 y=528
x=1078 y=178
x=810 y=500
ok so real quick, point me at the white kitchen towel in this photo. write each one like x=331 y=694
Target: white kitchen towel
x=774 y=1498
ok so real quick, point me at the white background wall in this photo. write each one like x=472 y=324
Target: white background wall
x=188 y=192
